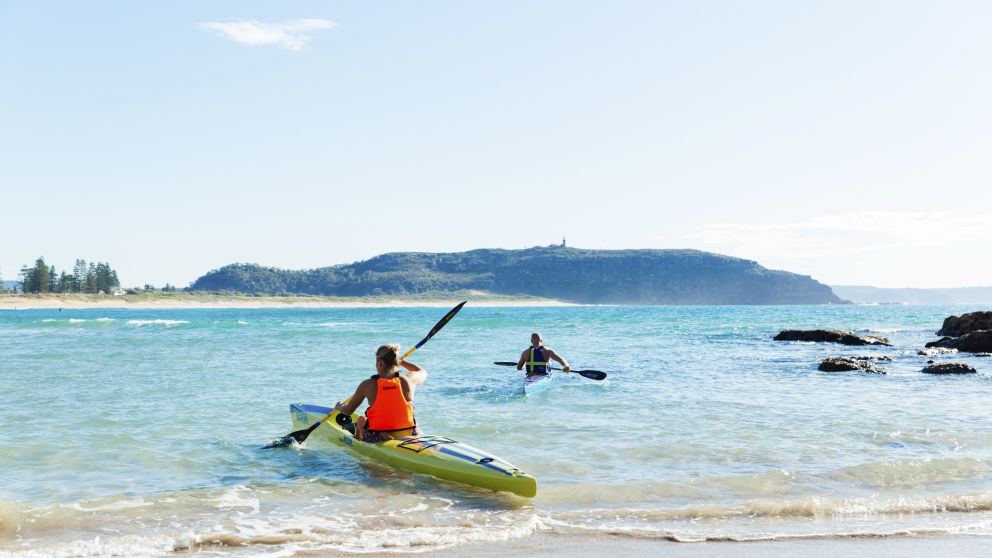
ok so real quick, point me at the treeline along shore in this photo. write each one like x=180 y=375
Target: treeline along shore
x=85 y=278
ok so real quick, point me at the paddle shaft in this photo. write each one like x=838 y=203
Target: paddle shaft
x=300 y=435
x=591 y=374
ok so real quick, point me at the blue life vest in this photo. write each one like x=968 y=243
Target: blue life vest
x=538 y=363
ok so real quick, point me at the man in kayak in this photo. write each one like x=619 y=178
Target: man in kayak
x=390 y=396
x=536 y=357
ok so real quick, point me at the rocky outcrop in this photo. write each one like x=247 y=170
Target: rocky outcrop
x=848 y=364
x=976 y=342
x=949 y=368
x=830 y=336
x=956 y=326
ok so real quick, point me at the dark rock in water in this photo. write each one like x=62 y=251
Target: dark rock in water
x=975 y=342
x=956 y=326
x=847 y=364
x=949 y=368
x=934 y=351
x=879 y=358
x=982 y=354
x=943 y=342
x=830 y=336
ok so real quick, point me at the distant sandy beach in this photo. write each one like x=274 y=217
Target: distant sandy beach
x=205 y=301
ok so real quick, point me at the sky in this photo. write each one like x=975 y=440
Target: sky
x=848 y=140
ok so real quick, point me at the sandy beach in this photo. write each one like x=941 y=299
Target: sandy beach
x=183 y=301
x=550 y=546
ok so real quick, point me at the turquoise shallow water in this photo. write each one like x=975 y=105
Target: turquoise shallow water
x=140 y=432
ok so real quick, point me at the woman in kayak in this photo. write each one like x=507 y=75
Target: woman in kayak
x=390 y=396
x=536 y=357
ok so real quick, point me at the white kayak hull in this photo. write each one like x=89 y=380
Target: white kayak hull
x=538 y=383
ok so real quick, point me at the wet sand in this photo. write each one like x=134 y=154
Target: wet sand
x=552 y=546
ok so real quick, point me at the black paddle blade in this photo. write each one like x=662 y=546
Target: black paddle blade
x=447 y=318
x=505 y=363
x=591 y=374
x=297 y=437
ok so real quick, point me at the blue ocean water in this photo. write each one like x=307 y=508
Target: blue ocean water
x=141 y=432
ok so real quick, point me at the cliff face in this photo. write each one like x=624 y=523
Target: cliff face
x=584 y=276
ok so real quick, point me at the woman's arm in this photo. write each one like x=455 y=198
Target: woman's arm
x=353 y=403
x=414 y=373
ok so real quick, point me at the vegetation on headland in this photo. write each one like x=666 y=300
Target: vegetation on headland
x=554 y=272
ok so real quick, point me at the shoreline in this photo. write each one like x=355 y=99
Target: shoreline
x=542 y=545
x=190 y=302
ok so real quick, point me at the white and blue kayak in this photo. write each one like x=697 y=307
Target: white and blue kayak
x=538 y=383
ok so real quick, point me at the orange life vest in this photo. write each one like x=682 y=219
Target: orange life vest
x=391 y=411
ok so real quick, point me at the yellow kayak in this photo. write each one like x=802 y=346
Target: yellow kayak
x=439 y=456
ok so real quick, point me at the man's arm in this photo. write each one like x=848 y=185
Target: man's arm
x=356 y=400
x=523 y=359
x=554 y=356
x=414 y=373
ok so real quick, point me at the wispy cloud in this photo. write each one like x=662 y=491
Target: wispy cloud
x=292 y=35
x=848 y=234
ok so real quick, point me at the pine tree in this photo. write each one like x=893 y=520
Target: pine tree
x=90 y=286
x=41 y=278
x=106 y=278
x=79 y=276
x=53 y=280
x=65 y=283
x=27 y=278
x=101 y=277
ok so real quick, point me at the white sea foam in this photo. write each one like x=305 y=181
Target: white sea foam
x=74 y=321
x=113 y=506
x=233 y=499
x=167 y=323
x=812 y=507
x=130 y=546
